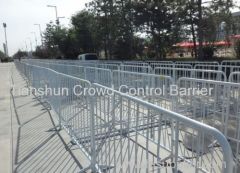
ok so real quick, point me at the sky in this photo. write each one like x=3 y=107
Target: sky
x=21 y=15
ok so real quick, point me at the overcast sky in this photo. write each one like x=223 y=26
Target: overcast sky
x=20 y=16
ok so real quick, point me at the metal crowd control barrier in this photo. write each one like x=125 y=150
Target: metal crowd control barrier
x=228 y=69
x=109 y=66
x=231 y=62
x=177 y=73
x=208 y=67
x=193 y=63
x=155 y=64
x=234 y=77
x=134 y=68
x=148 y=87
x=99 y=75
x=158 y=65
x=160 y=62
x=92 y=74
x=120 y=133
x=135 y=63
x=218 y=107
x=114 y=62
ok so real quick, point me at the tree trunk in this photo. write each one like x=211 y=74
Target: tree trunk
x=194 y=36
x=200 y=31
x=110 y=45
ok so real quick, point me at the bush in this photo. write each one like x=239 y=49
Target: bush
x=208 y=52
x=237 y=48
x=7 y=59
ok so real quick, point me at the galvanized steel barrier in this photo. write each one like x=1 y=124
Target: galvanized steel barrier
x=208 y=67
x=177 y=73
x=161 y=65
x=220 y=108
x=149 y=87
x=234 y=77
x=193 y=63
x=120 y=133
x=136 y=68
x=231 y=62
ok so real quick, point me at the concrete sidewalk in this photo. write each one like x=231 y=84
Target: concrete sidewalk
x=5 y=116
x=29 y=141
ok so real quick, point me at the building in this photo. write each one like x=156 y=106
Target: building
x=235 y=28
x=236 y=24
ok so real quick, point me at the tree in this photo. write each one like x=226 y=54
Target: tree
x=204 y=18
x=20 y=54
x=59 y=42
x=215 y=11
x=2 y=55
x=160 y=20
x=115 y=27
x=84 y=32
x=237 y=48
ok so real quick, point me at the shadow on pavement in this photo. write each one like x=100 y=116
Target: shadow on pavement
x=36 y=147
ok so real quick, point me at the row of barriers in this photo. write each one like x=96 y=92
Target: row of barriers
x=143 y=67
x=103 y=72
x=193 y=63
x=220 y=105
x=121 y=133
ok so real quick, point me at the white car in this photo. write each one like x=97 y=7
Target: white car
x=88 y=57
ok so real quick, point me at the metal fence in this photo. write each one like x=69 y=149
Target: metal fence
x=149 y=66
x=231 y=62
x=121 y=133
x=149 y=87
x=193 y=63
x=177 y=73
x=234 y=77
x=219 y=107
x=136 y=68
x=185 y=66
x=207 y=67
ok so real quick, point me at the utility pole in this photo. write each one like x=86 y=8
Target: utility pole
x=26 y=46
x=40 y=30
x=30 y=46
x=35 y=36
x=6 y=43
x=56 y=13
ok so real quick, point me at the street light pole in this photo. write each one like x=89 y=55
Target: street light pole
x=6 y=43
x=26 y=46
x=56 y=13
x=40 y=30
x=35 y=38
x=30 y=46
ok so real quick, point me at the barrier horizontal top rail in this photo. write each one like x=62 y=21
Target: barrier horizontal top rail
x=208 y=67
x=173 y=65
x=159 y=62
x=109 y=66
x=135 y=63
x=136 y=68
x=193 y=63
